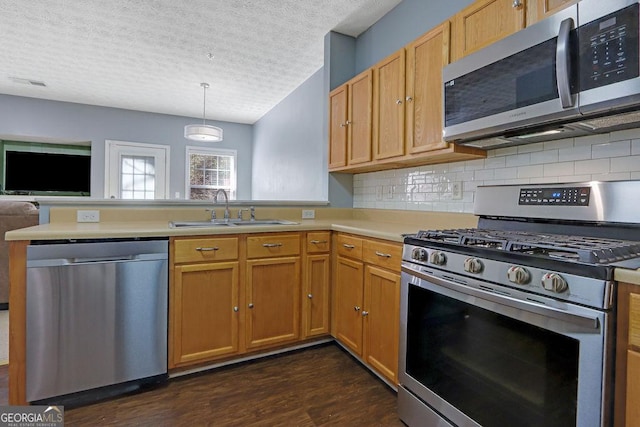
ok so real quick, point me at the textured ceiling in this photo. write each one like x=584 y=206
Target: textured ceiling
x=152 y=55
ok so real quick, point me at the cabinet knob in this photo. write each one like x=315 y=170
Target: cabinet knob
x=409 y=99
x=364 y=313
x=398 y=101
x=309 y=296
x=250 y=305
x=235 y=309
x=348 y=122
x=342 y=125
x=356 y=308
x=517 y=3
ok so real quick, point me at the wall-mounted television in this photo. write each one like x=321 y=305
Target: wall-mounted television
x=47 y=172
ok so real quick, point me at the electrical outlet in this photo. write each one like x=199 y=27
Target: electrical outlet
x=456 y=190
x=308 y=213
x=88 y=216
x=389 y=190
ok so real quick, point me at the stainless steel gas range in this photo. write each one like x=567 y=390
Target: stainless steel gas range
x=512 y=323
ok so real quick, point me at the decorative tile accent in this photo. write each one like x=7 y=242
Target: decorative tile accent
x=607 y=157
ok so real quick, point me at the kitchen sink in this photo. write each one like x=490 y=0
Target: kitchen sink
x=229 y=223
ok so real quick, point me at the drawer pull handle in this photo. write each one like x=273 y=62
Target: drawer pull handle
x=271 y=245
x=348 y=246
x=380 y=254
x=318 y=242
x=207 y=249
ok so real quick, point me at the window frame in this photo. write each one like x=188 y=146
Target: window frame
x=191 y=149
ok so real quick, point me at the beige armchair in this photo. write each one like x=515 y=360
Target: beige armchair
x=13 y=215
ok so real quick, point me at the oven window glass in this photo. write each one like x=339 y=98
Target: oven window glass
x=497 y=370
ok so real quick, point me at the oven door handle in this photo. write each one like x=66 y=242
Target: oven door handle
x=495 y=297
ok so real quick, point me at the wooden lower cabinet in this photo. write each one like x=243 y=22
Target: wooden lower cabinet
x=273 y=301
x=349 y=294
x=381 y=314
x=627 y=369
x=366 y=301
x=205 y=311
x=315 y=294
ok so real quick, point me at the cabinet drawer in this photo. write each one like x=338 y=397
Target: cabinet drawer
x=318 y=242
x=387 y=255
x=206 y=249
x=270 y=245
x=349 y=246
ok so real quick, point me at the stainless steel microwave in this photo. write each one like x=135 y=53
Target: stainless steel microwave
x=575 y=73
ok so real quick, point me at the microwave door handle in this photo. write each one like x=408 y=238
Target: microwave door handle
x=562 y=63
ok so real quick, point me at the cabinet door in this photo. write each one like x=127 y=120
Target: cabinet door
x=632 y=417
x=425 y=59
x=348 y=303
x=389 y=94
x=315 y=308
x=205 y=312
x=485 y=22
x=273 y=301
x=338 y=104
x=359 y=124
x=537 y=10
x=381 y=320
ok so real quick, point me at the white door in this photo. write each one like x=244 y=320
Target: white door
x=136 y=170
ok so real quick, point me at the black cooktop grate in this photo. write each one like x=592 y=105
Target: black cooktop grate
x=593 y=250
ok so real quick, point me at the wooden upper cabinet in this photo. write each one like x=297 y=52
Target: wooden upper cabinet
x=537 y=10
x=359 y=122
x=350 y=115
x=425 y=59
x=485 y=22
x=389 y=96
x=338 y=104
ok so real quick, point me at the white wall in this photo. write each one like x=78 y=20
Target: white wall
x=289 y=149
x=605 y=157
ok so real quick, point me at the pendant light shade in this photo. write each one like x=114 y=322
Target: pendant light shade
x=203 y=132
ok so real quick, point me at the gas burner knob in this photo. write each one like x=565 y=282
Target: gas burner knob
x=473 y=265
x=438 y=258
x=554 y=282
x=419 y=254
x=518 y=275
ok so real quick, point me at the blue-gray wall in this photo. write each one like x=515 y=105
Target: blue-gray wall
x=30 y=117
x=290 y=153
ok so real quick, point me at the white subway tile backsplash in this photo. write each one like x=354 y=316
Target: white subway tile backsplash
x=592 y=166
x=616 y=156
x=571 y=153
x=611 y=149
x=533 y=171
x=518 y=160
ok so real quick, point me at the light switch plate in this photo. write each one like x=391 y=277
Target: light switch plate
x=88 y=216
x=456 y=190
x=308 y=213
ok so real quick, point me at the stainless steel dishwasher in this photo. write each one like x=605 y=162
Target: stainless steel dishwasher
x=96 y=318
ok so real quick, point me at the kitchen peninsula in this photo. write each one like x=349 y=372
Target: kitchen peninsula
x=303 y=254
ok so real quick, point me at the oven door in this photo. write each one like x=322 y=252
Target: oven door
x=475 y=357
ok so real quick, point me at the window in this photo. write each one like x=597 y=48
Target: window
x=209 y=170
x=136 y=170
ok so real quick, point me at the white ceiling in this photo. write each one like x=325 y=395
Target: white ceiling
x=152 y=55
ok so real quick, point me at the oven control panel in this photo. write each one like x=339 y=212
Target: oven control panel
x=565 y=196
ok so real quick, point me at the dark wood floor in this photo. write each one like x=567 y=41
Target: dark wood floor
x=318 y=386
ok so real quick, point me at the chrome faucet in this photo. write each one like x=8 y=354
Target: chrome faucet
x=251 y=210
x=226 y=204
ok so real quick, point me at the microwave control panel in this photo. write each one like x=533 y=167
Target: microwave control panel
x=566 y=196
x=609 y=49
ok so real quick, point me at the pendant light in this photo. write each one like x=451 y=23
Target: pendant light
x=203 y=132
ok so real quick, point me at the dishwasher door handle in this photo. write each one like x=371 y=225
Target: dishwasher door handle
x=93 y=260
